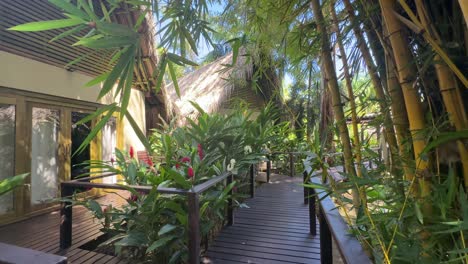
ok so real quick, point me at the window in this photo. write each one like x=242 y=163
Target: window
x=7 y=153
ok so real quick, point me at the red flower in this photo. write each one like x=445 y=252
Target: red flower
x=112 y=160
x=190 y=172
x=150 y=162
x=131 y=152
x=133 y=198
x=200 y=151
x=177 y=165
x=185 y=160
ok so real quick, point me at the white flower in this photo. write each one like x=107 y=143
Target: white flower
x=231 y=165
x=247 y=149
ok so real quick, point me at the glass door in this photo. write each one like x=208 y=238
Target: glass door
x=45 y=165
x=7 y=155
x=79 y=132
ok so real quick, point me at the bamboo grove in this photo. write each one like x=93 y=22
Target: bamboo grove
x=403 y=62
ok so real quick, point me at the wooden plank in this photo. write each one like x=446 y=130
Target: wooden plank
x=275 y=229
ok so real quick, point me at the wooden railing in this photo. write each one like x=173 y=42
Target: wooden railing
x=331 y=225
x=193 y=194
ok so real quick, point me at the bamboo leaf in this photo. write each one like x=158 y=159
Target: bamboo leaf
x=161 y=71
x=444 y=138
x=47 y=25
x=106 y=42
x=129 y=54
x=127 y=89
x=197 y=106
x=141 y=136
x=68 y=33
x=95 y=131
x=96 y=114
x=180 y=60
x=97 y=80
x=115 y=29
x=9 y=184
x=69 y=8
x=173 y=77
x=88 y=10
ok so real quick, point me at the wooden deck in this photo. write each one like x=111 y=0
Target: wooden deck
x=274 y=230
x=42 y=233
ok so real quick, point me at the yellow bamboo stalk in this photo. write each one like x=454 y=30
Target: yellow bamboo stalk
x=434 y=44
x=464 y=8
x=349 y=86
x=448 y=87
x=399 y=114
x=376 y=83
x=407 y=76
x=327 y=61
x=329 y=69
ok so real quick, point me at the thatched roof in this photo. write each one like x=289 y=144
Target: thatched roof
x=213 y=86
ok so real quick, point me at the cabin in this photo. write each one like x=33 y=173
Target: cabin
x=43 y=96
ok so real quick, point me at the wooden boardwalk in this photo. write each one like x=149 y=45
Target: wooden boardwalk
x=274 y=230
x=42 y=233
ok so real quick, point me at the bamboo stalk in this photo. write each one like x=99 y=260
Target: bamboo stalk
x=434 y=44
x=407 y=76
x=448 y=87
x=464 y=8
x=378 y=87
x=329 y=69
x=399 y=114
x=349 y=86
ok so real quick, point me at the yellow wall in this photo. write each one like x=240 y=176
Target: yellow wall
x=30 y=75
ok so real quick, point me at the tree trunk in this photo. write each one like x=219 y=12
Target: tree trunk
x=407 y=76
x=349 y=86
x=376 y=82
x=329 y=70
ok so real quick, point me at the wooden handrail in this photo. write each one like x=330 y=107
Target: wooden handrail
x=68 y=187
x=333 y=225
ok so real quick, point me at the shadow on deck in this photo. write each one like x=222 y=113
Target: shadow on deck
x=274 y=229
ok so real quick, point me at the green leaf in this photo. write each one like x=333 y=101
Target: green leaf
x=178 y=178
x=127 y=89
x=166 y=229
x=97 y=80
x=444 y=138
x=47 y=25
x=107 y=42
x=160 y=243
x=96 y=114
x=115 y=29
x=69 y=8
x=9 y=184
x=173 y=77
x=141 y=136
x=96 y=208
x=419 y=214
x=161 y=71
x=197 y=106
x=180 y=60
x=116 y=72
x=133 y=239
x=94 y=131
x=88 y=10
x=68 y=33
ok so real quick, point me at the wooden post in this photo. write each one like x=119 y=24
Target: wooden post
x=312 y=213
x=66 y=218
x=268 y=172
x=230 y=212
x=326 y=255
x=291 y=164
x=252 y=181
x=194 y=228
x=306 y=189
